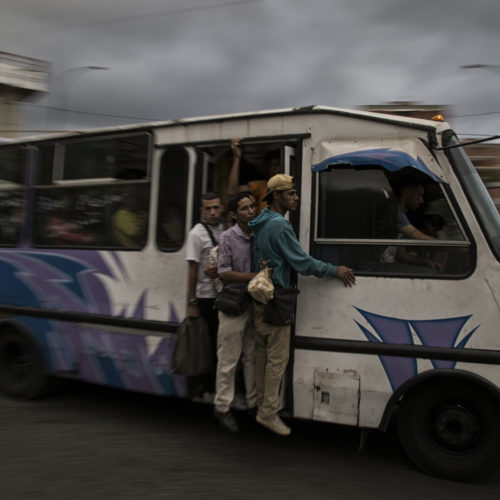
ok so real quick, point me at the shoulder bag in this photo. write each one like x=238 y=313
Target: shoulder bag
x=280 y=310
x=231 y=303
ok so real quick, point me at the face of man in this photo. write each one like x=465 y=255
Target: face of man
x=288 y=200
x=211 y=211
x=415 y=197
x=246 y=211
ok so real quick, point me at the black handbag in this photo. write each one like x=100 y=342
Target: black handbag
x=231 y=303
x=193 y=351
x=280 y=310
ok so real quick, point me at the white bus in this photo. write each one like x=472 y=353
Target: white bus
x=410 y=343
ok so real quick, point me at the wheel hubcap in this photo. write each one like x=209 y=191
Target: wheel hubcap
x=456 y=428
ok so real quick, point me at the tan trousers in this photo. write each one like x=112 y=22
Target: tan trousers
x=235 y=338
x=273 y=352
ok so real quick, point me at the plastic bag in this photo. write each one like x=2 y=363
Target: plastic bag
x=193 y=351
x=212 y=260
x=260 y=287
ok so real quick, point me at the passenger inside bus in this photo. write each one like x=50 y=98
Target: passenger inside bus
x=11 y=216
x=253 y=178
x=433 y=224
x=410 y=197
x=60 y=227
x=129 y=222
x=170 y=228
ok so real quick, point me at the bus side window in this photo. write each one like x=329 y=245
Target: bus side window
x=354 y=205
x=358 y=225
x=11 y=195
x=172 y=196
x=93 y=193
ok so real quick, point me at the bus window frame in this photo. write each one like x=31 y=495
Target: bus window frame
x=468 y=241
x=450 y=144
x=92 y=182
x=159 y=199
x=59 y=164
x=18 y=187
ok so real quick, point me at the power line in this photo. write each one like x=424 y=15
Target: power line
x=90 y=113
x=466 y=134
x=153 y=119
x=136 y=17
x=55 y=108
x=476 y=114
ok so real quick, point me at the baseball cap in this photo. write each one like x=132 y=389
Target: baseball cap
x=278 y=182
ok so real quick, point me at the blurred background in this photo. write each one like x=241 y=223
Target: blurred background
x=68 y=65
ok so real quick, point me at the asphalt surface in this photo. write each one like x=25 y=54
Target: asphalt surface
x=88 y=442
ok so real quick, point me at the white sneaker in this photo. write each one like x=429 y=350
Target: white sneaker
x=274 y=424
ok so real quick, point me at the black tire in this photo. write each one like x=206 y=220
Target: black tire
x=452 y=429
x=21 y=366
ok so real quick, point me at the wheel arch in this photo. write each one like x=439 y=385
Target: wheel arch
x=430 y=377
x=12 y=325
x=18 y=344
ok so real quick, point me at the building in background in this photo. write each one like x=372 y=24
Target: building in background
x=411 y=109
x=21 y=79
x=484 y=156
x=486 y=159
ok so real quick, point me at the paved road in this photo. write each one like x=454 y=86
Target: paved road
x=89 y=442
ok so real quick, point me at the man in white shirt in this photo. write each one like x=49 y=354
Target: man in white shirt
x=201 y=239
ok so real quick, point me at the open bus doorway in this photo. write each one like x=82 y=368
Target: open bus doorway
x=258 y=162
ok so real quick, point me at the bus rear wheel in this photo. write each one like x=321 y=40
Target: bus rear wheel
x=451 y=430
x=21 y=366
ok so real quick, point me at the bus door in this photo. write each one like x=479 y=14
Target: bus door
x=259 y=160
x=214 y=163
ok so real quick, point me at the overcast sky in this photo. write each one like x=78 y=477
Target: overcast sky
x=170 y=59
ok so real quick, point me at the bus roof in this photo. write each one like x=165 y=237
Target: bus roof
x=325 y=110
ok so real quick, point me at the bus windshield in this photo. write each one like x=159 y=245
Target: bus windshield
x=476 y=192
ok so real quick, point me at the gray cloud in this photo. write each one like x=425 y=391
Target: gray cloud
x=176 y=58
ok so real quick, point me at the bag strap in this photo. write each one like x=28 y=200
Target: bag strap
x=209 y=231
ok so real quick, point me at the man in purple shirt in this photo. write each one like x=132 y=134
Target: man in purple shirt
x=236 y=335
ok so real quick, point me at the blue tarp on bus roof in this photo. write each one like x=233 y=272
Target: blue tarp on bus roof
x=388 y=158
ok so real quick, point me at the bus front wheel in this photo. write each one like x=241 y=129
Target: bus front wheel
x=21 y=366
x=451 y=430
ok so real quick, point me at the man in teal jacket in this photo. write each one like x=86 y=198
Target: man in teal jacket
x=275 y=241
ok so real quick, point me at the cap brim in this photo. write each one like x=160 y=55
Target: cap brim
x=268 y=196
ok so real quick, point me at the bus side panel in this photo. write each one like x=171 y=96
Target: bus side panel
x=106 y=283
x=435 y=313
